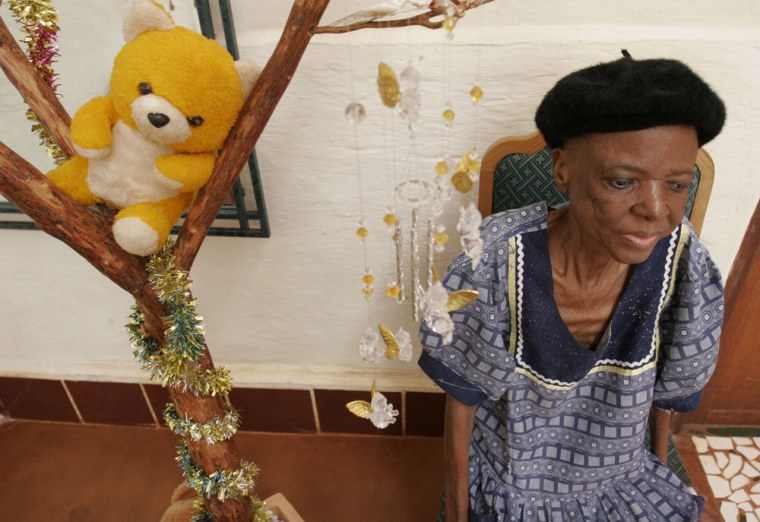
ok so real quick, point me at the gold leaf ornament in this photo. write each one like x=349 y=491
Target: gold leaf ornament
x=460 y=299
x=461 y=181
x=360 y=408
x=392 y=348
x=387 y=85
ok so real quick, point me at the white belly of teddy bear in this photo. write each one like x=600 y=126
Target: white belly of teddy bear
x=128 y=174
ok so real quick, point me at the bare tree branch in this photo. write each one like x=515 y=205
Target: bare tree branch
x=87 y=232
x=42 y=100
x=266 y=93
x=422 y=19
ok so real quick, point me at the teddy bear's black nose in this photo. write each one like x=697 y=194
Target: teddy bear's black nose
x=157 y=119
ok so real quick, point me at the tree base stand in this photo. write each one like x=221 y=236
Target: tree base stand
x=181 y=506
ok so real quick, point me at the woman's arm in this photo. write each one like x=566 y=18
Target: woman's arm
x=460 y=419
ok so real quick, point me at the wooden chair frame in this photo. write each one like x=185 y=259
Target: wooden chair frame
x=660 y=420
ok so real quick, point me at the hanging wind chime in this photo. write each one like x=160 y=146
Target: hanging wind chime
x=417 y=239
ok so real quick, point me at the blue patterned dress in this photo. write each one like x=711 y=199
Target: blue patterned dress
x=559 y=430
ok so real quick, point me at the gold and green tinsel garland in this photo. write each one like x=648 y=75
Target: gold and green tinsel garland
x=225 y=484
x=39 y=22
x=213 y=431
x=176 y=366
x=260 y=511
x=170 y=368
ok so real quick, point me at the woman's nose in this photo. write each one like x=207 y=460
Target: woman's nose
x=652 y=202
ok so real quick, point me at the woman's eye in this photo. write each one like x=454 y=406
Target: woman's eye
x=195 y=121
x=678 y=187
x=620 y=183
x=145 y=88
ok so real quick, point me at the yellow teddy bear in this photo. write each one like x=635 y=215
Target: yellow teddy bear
x=150 y=145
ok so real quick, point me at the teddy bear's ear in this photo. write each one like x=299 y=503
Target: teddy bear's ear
x=247 y=72
x=145 y=15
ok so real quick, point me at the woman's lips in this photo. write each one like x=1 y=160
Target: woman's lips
x=640 y=239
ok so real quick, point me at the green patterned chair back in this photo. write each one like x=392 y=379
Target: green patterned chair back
x=522 y=179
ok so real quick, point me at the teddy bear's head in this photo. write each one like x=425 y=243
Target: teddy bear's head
x=176 y=87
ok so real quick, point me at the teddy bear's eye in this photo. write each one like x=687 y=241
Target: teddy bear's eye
x=145 y=88
x=195 y=121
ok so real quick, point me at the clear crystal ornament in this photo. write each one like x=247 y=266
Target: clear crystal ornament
x=409 y=78
x=414 y=193
x=355 y=113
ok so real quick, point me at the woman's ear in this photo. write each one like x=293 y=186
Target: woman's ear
x=561 y=168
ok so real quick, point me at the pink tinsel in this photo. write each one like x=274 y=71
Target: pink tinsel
x=43 y=51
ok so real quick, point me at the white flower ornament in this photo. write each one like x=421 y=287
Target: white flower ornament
x=404 y=341
x=371 y=349
x=469 y=232
x=380 y=412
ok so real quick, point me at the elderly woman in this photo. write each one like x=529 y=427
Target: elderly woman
x=588 y=314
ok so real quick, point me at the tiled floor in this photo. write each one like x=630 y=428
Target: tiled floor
x=96 y=473
x=63 y=471
x=732 y=467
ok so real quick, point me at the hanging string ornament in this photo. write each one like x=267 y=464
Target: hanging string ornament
x=435 y=304
x=39 y=23
x=401 y=93
x=376 y=345
x=355 y=114
x=371 y=348
x=390 y=94
x=467 y=169
x=429 y=299
x=411 y=194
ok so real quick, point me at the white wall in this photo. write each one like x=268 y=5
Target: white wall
x=286 y=311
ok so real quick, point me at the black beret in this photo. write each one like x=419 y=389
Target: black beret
x=627 y=95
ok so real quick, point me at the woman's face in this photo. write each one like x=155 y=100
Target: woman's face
x=628 y=189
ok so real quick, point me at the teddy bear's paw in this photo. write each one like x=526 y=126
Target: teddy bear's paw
x=135 y=236
x=92 y=153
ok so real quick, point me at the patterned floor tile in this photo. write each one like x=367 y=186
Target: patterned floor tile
x=700 y=444
x=732 y=468
x=730 y=511
x=720 y=443
x=748 y=452
x=709 y=464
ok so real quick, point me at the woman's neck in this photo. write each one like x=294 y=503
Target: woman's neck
x=587 y=281
x=576 y=259
x=579 y=261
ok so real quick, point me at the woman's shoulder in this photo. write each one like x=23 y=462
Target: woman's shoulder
x=697 y=278
x=695 y=254
x=503 y=225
